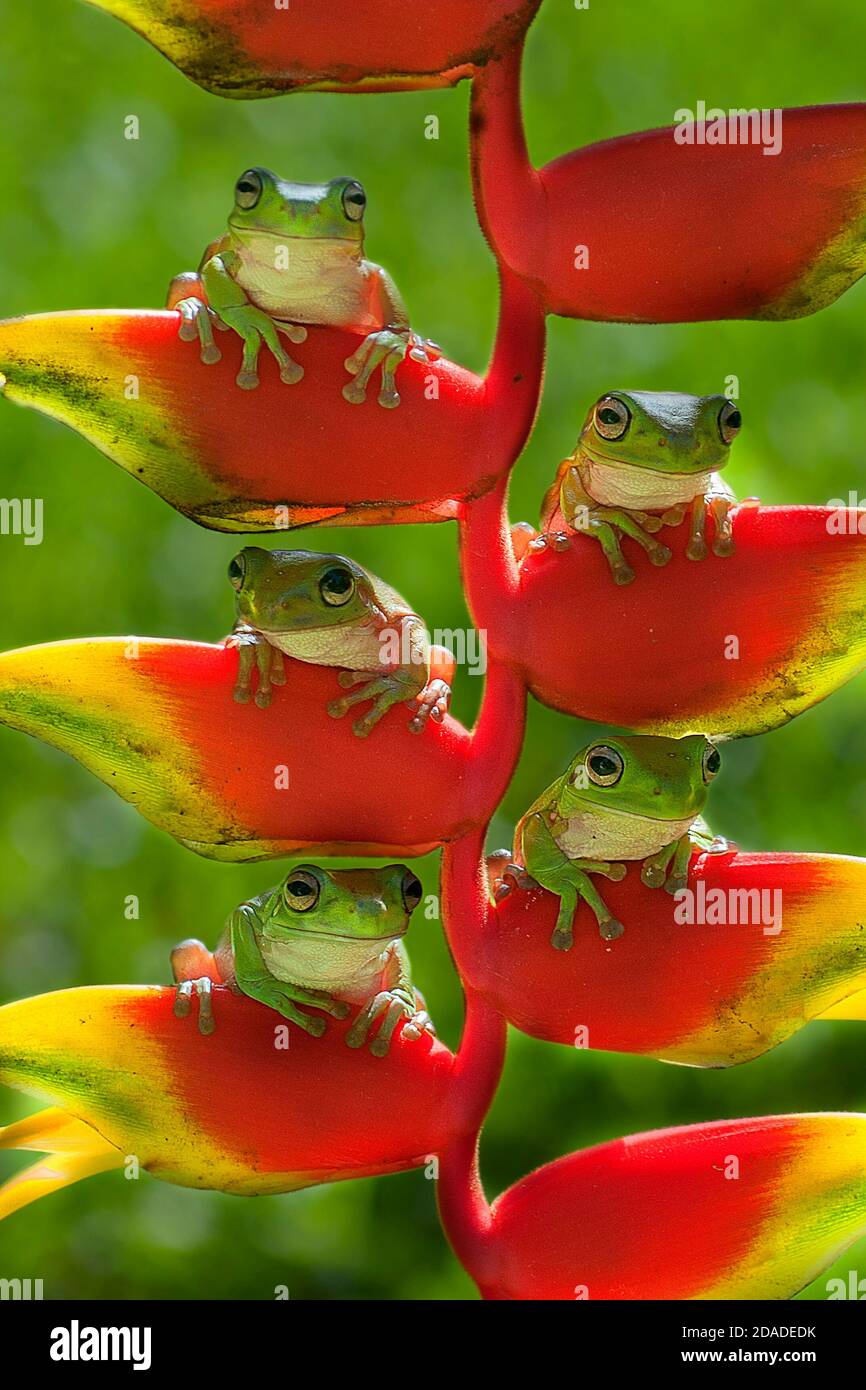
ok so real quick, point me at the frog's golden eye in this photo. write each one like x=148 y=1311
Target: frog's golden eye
x=412 y=891
x=712 y=761
x=248 y=189
x=237 y=571
x=730 y=421
x=604 y=765
x=611 y=418
x=301 y=891
x=354 y=201
x=337 y=585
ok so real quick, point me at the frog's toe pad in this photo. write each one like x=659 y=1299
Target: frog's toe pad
x=723 y=546
x=247 y=381
x=291 y=373
x=263 y=698
x=210 y=353
x=653 y=875
x=354 y=394
x=611 y=930
x=623 y=574
x=389 y=400
x=562 y=939
x=317 y=1027
x=675 y=884
x=697 y=549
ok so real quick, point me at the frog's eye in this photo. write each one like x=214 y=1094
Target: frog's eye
x=237 y=570
x=337 y=585
x=611 y=418
x=354 y=201
x=301 y=891
x=248 y=189
x=730 y=421
x=711 y=763
x=412 y=891
x=604 y=765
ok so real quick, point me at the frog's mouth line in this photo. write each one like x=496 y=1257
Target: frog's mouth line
x=653 y=820
x=300 y=932
x=240 y=231
x=583 y=455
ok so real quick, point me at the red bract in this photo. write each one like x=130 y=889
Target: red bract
x=155 y=720
x=279 y=456
x=258 y=1106
x=726 y=646
x=252 y=48
x=642 y=229
x=750 y=1209
x=710 y=991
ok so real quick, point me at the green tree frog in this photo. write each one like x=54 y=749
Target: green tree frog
x=326 y=610
x=624 y=797
x=323 y=939
x=294 y=255
x=643 y=460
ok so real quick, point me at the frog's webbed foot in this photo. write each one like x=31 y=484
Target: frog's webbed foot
x=254 y=327
x=269 y=992
x=578 y=884
x=669 y=867
x=255 y=652
x=386 y=347
x=431 y=703
x=603 y=523
x=203 y=990
x=674 y=516
x=550 y=540
x=390 y=1006
x=522 y=536
x=384 y=690
x=723 y=542
x=198 y=321
x=506 y=875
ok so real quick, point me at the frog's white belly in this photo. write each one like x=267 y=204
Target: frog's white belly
x=346 y=966
x=357 y=647
x=606 y=834
x=642 y=489
x=305 y=281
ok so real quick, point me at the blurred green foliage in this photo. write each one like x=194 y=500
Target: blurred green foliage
x=93 y=220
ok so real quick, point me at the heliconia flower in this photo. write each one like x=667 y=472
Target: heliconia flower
x=155 y=720
x=726 y=646
x=281 y=455
x=257 y=1106
x=261 y=48
x=736 y=1209
x=760 y=945
x=646 y=229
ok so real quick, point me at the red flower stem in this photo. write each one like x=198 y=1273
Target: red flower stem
x=502 y=173
x=463 y=1207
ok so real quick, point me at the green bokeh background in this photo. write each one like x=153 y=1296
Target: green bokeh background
x=90 y=219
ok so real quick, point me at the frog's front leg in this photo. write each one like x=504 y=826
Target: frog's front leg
x=386 y=347
x=573 y=883
x=669 y=867
x=255 y=651
x=385 y=690
x=195 y=973
x=432 y=702
x=397 y=1001
x=717 y=503
x=186 y=295
x=255 y=980
x=253 y=325
x=628 y=523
